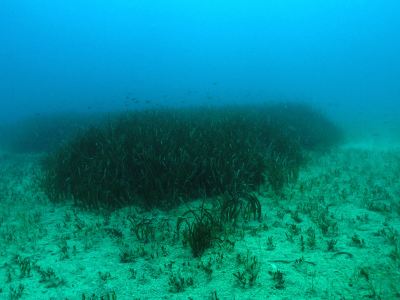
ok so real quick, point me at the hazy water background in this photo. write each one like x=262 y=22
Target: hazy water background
x=105 y=55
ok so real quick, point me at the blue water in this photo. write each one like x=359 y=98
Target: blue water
x=63 y=63
x=106 y=55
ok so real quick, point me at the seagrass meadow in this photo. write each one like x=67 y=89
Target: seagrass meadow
x=159 y=158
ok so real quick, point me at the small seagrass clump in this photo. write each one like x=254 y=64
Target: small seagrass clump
x=201 y=229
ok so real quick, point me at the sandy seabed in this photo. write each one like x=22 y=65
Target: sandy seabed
x=334 y=234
